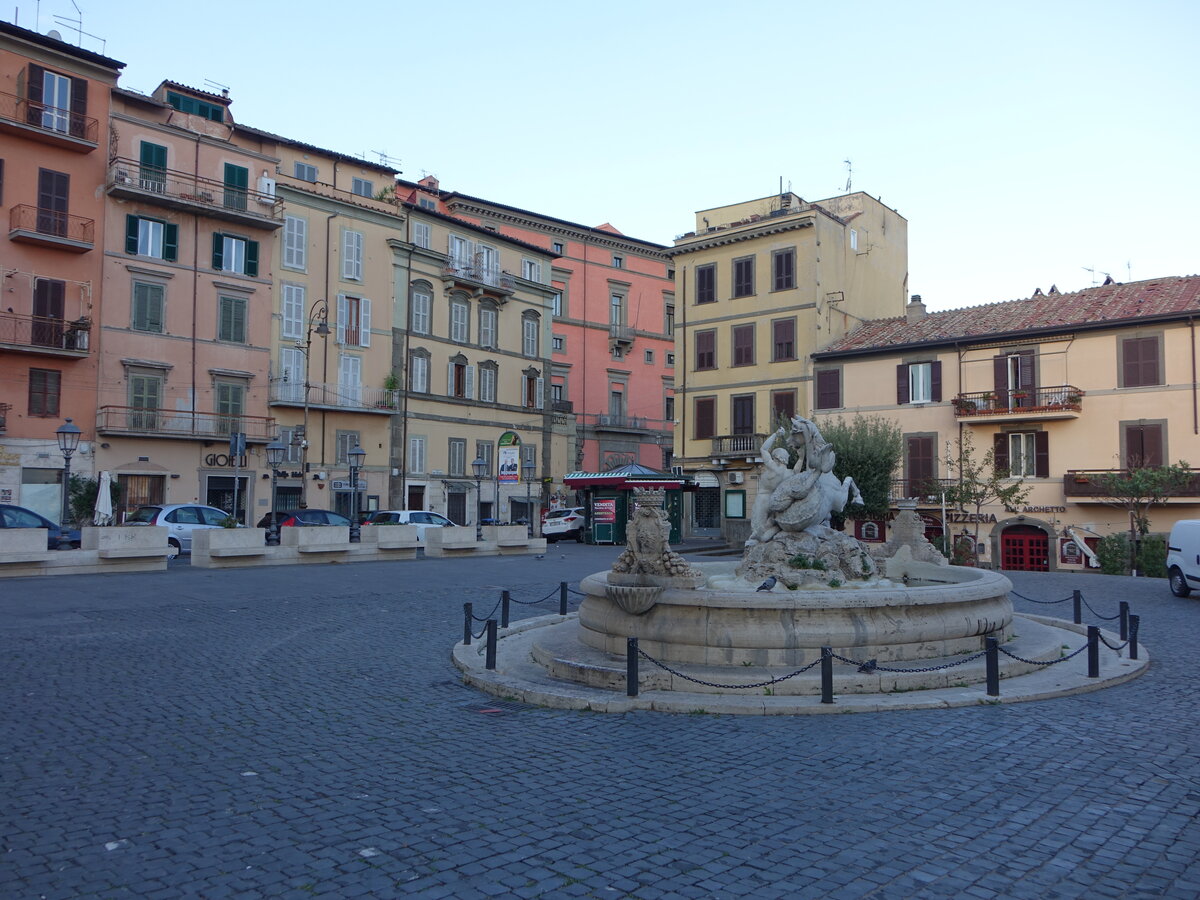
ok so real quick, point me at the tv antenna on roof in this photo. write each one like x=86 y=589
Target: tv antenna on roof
x=1096 y=273
x=392 y=162
x=224 y=87
x=849 y=173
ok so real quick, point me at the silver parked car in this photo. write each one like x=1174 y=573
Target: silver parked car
x=180 y=520
x=417 y=517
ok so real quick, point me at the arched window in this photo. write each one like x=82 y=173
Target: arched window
x=421 y=298
x=487 y=324
x=489 y=375
x=460 y=319
x=418 y=370
x=531 y=327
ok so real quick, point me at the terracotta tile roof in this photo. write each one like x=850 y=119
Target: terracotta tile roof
x=1042 y=313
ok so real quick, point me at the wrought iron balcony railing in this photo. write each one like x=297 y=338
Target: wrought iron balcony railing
x=48 y=227
x=1055 y=400
x=50 y=120
x=926 y=491
x=340 y=396
x=130 y=178
x=186 y=424
x=45 y=333
x=1084 y=483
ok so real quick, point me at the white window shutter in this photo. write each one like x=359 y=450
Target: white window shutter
x=540 y=392
x=450 y=379
x=364 y=306
x=470 y=383
x=340 y=335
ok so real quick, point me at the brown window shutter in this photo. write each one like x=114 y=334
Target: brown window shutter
x=1152 y=445
x=1041 y=455
x=1000 y=376
x=705 y=414
x=1000 y=451
x=829 y=389
x=79 y=88
x=33 y=93
x=935 y=381
x=901 y=384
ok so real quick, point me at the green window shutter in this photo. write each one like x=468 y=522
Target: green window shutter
x=131 y=235
x=153 y=155
x=237 y=176
x=252 y=257
x=218 y=250
x=170 y=242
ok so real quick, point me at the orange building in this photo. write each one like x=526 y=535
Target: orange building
x=54 y=138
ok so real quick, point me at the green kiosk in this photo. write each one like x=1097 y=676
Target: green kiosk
x=608 y=498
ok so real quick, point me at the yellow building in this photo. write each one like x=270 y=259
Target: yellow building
x=1062 y=386
x=760 y=286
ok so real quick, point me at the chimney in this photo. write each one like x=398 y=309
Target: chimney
x=915 y=311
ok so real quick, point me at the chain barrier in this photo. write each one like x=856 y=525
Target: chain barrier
x=871 y=666
x=1043 y=602
x=576 y=593
x=758 y=684
x=1042 y=662
x=1117 y=648
x=482 y=631
x=534 y=602
x=488 y=616
x=1096 y=614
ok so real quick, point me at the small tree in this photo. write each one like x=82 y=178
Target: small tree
x=1138 y=488
x=978 y=483
x=868 y=449
x=84 y=492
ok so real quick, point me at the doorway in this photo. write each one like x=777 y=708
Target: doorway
x=1024 y=548
x=220 y=493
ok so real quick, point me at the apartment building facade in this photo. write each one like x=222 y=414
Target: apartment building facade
x=1062 y=387
x=54 y=137
x=762 y=284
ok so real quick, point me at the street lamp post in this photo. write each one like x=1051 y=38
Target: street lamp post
x=68 y=442
x=527 y=470
x=357 y=455
x=318 y=322
x=275 y=454
x=479 y=466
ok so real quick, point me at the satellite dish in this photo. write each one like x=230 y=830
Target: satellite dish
x=52 y=33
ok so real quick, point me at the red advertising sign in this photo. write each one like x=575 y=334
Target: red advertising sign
x=604 y=512
x=1069 y=552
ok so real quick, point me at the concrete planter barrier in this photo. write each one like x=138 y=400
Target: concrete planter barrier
x=513 y=539
x=399 y=541
x=316 y=538
x=132 y=548
x=457 y=541
x=246 y=545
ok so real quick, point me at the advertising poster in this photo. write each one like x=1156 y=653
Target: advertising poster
x=508 y=458
x=604 y=512
x=1069 y=553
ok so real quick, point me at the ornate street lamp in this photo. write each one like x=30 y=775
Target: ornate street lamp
x=68 y=442
x=527 y=470
x=357 y=455
x=275 y=454
x=318 y=323
x=479 y=466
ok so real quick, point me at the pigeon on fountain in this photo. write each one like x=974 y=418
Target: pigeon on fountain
x=768 y=584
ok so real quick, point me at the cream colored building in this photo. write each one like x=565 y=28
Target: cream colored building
x=1062 y=386
x=760 y=285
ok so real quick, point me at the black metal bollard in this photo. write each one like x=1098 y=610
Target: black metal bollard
x=562 y=598
x=1134 y=622
x=1093 y=651
x=468 y=615
x=1124 y=620
x=631 y=667
x=1077 y=597
x=505 y=601
x=992 y=661
x=491 y=644
x=826 y=674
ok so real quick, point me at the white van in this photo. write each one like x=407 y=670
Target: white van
x=1183 y=557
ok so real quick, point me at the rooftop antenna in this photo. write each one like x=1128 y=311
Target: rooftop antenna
x=224 y=87
x=1128 y=271
x=849 y=173
x=392 y=162
x=1096 y=273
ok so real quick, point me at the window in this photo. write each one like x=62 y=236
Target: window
x=305 y=172
x=145 y=399
x=669 y=319
x=669 y=407
x=344 y=442
x=670 y=359
x=418 y=372
x=151 y=237
x=743 y=345
x=706 y=283
x=483 y=450
x=919 y=382
x=556 y=303
x=192 y=106
x=295 y=242
x=49 y=309
x=53 y=203
x=706 y=417
x=152 y=167
x=231 y=325
x=362 y=187
x=422 y=305
x=291 y=438
x=532 y=390
x=290 y=386
x=1140 y=362
x=422 y=235
x=617 y=352
x=350 y=379
x=853 y=239
x=616 y=307
x=783 y=403
x=147 y=310
x=783 y=267
x=558 y=248
x=706 y=350
x=558 y=392
x=1143 y=444
x=45 y=390
x=230 y=405
x=743 y=414
x=460 y=379
x=352 y=255
x=783 y=340
x=828 y=388
x=237 y=182
x=618 y=261
x=56 y=97
x=487 y=326
x=1014 y=376
x=235 y=254
x=558 y=343
x=743 y=276
x=530 y=326
x=460 y=321
x=531 y=270
x=487 y=382
x=292 y=301
x=458 y=457
x=1024 y=453
x=353 y=321
x=648 y=357
x=416 y=453
x=919 y=464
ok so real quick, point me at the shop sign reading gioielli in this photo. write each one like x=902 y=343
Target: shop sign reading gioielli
x=225 y=461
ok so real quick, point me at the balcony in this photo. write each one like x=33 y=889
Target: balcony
x=48 y=124
x=478 y=275
x=45 y=335
x=562 y=406
x=621 y=335
x=926 y=491
x=183 y=191
x=335 y=397
x=1063 y=401
x=33 y=225
x=737 y=445
x=1084 y=485
x=182 y=424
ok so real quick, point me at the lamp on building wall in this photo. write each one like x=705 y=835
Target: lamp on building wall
x=527 y=470
x=479 y=466
x=68 y=442
x=275 y=454
x=318 y=323
x=356 y=456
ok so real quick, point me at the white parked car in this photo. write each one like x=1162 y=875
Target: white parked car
x=564 y=524
x=420 y=518
x=1183 y=557
x=180 y=519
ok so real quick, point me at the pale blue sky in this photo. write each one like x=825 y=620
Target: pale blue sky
x=1023 y=141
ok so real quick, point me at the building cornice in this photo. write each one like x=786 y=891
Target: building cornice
x=720 y=237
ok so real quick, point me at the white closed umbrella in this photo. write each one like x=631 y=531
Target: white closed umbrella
x=104 y=510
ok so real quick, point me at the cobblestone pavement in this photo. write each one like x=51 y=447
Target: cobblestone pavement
x=300 y=732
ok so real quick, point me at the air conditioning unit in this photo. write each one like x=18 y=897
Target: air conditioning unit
x=266 y=190
x=736 y=477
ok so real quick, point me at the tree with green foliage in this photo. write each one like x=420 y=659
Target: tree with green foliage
x=868 y=449
x=1138 y=488
x=83 y=498
x=975 y=483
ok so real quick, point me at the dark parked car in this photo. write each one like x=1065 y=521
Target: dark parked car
x=20 y=517
x=304 y=517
